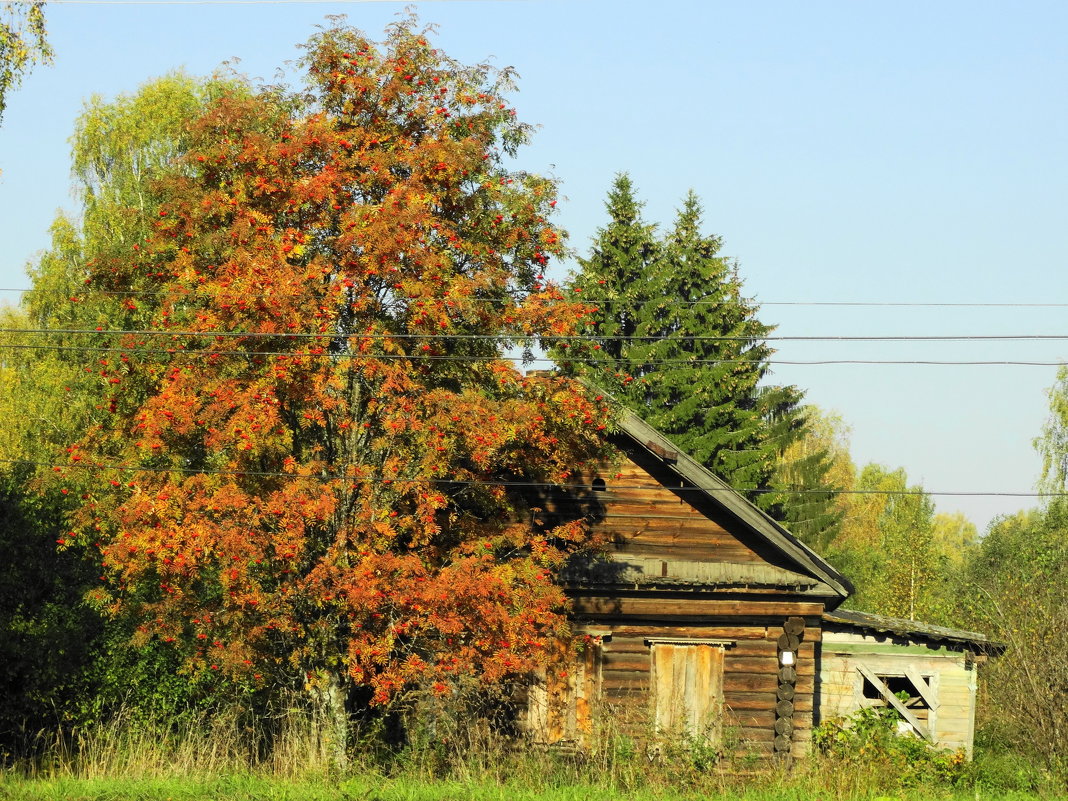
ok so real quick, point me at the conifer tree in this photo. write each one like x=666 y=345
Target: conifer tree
x=675 y=339
x=616 y=278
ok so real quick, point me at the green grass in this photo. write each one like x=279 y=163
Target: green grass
x=218 y=759
x=373 y=788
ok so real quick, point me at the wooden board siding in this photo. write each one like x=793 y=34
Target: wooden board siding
x=951 y=721
x=641 y=517
x=750 y=675
x=687 y=689
x=697 y=609
x=561 y=702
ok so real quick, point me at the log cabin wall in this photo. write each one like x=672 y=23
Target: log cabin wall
x=705 y=614
x=647 y=510
x=644 y=517
x=686 y=574
x=750 y=665
x=689 y=606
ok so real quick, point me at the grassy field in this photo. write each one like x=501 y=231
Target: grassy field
x=373 y=788
x=217 y=759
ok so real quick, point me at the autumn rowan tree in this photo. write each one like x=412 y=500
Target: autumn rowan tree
x=313 y=466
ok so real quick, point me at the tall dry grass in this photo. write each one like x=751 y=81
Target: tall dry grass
x=452 y=746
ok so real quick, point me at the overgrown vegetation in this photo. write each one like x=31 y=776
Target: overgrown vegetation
x=308 y=602
x=454 y=755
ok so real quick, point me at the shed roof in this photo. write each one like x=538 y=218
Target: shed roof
x=911 y=629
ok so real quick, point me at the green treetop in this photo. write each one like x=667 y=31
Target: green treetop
x=675 y=339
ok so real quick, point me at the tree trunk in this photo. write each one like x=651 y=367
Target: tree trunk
x=331 y=721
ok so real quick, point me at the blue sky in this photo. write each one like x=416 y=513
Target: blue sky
x=907 y=151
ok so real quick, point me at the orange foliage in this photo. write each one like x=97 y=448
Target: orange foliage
x=323 y=482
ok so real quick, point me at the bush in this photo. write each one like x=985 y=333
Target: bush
x=868 y=743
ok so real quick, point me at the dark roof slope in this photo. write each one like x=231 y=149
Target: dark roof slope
x=912 y=629
x=758 y=522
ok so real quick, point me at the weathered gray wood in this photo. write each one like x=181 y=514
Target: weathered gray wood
x=788 y=642
x=922 y=687
x=891 y=699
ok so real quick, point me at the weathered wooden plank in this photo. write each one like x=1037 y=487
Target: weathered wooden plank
x=891 y=699
x=689 y=607
x=925 y=690
x=748 y=683
x=662 y=679
x=765 y=703
x=638 y=645
x=765 y=664
x=669 y=550
x=630 y=662
x=697 y=632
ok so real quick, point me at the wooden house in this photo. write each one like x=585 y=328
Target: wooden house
x=703 y=616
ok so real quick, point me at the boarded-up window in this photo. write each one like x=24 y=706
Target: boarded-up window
x=687 y=684
x=913 y=695
x=563 y=695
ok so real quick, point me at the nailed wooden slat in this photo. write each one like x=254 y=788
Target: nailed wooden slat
x=925 y=690
x=663 y=679
x=700 y=632
x=891 y=699
x=687 y=608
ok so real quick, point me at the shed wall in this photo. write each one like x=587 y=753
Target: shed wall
x=952 y=721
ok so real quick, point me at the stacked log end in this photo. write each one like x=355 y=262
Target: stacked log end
x=789 y=641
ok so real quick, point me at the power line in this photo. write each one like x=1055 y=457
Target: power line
x=611 y=301
x=389 y=480
x=532 y=359
x=229 y=2
x=554 y=338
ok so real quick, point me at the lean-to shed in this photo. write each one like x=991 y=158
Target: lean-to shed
x=927 y=673
x=705 y=616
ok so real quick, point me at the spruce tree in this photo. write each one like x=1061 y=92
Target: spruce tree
x=673 y=336
x=616 y=279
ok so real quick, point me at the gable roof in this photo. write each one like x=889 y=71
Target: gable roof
x=750 y=518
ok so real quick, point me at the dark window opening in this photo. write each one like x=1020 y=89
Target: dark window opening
x=599 y=485
x=902 y=687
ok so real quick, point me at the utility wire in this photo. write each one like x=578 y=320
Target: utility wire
x=540 y=359
x=490 y=483
x=226 y=2
x=512 y=337
x=611 y=301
